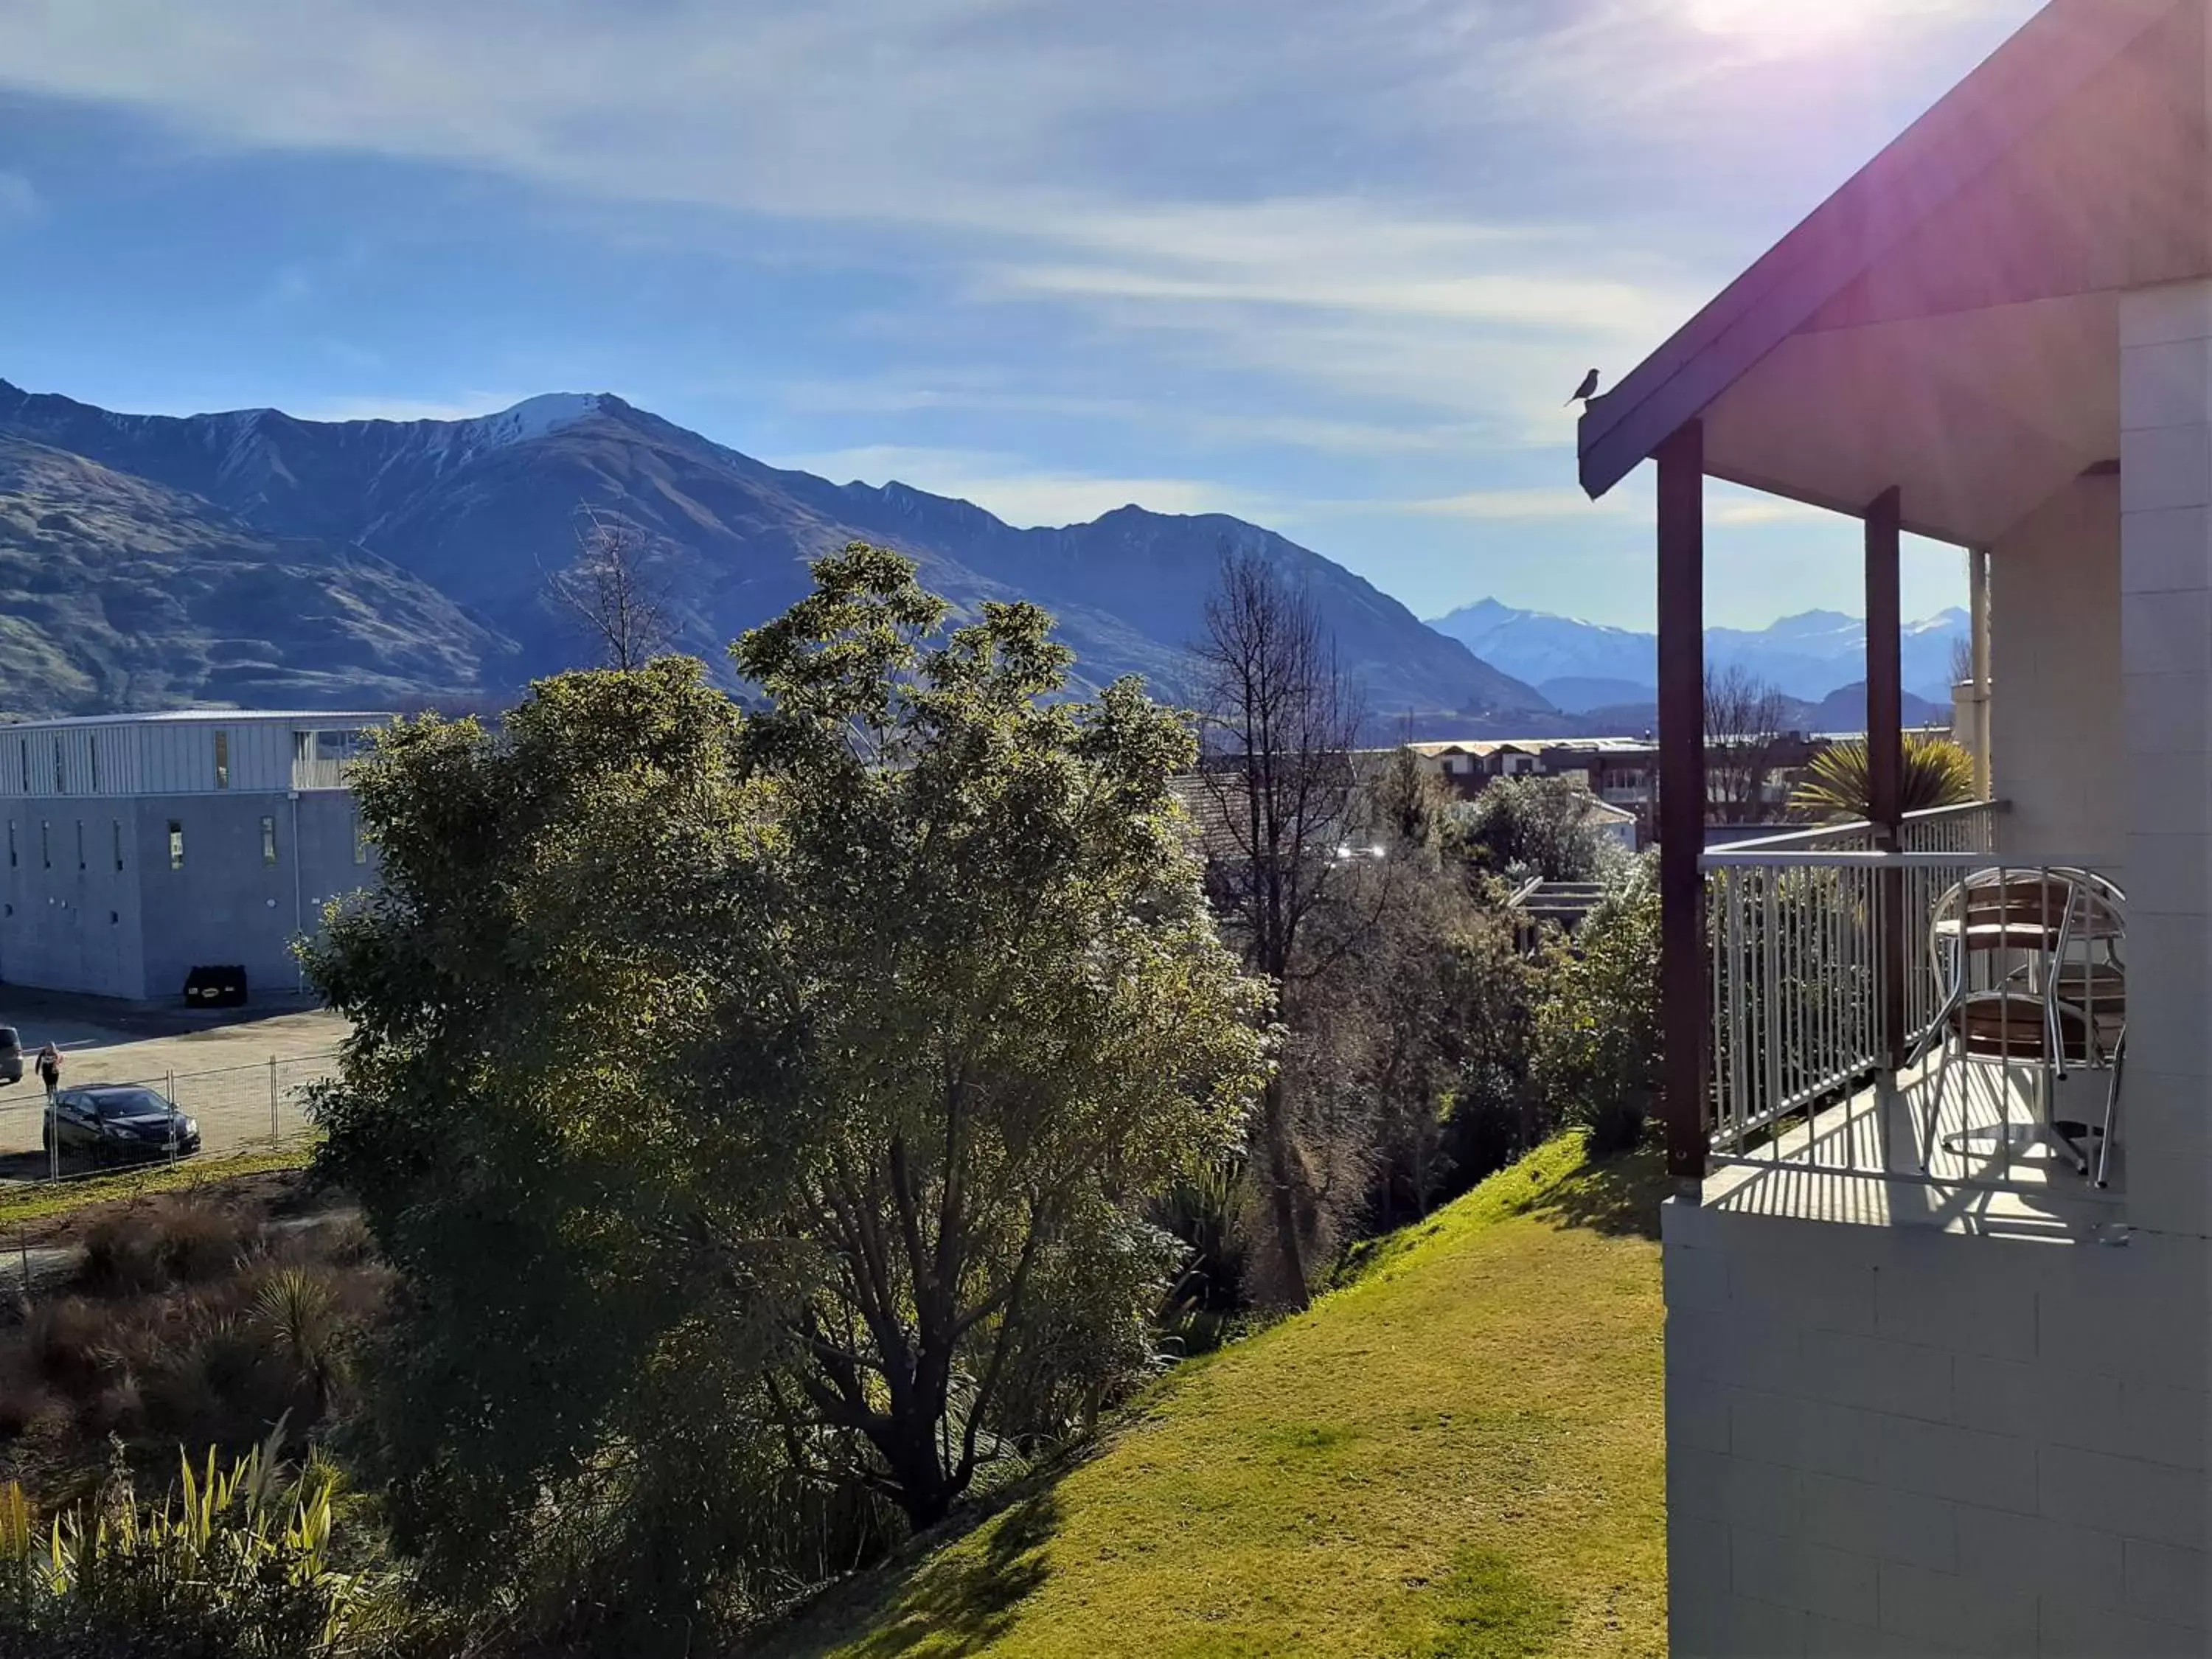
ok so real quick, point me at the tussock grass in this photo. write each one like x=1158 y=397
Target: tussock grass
x=194 y=1319
x=1456 y=1454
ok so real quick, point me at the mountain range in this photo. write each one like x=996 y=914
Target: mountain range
x=1582 y=667
x=253 y=558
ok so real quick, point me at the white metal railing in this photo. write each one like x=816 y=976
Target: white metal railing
x=1804 y=977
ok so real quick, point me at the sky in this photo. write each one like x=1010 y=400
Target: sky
x=1331 y=267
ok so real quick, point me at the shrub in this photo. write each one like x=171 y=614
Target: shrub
x=171 y=1240
x=1523 y=828
x=233 y=1563
x=1838 y=784
x=187 y=1323
x=1597 y=1050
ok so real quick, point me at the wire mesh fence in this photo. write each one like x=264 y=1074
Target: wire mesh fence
x=232 y=1109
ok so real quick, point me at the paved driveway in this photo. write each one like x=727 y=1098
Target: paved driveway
x=239 y=1076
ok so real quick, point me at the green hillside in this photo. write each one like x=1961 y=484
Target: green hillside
x=1459 y=1454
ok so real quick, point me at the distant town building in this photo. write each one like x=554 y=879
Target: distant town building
x=139 y=847
x=1624 y=772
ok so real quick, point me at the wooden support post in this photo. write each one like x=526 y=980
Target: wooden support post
x=1977 y=592
x=1683 y=1010
x=1885 y=651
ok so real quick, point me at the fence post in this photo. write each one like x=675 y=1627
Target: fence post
x=274 y=1132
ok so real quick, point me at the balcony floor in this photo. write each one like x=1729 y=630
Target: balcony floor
x=1834 y=1167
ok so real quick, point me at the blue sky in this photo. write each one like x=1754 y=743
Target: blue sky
x=1329 y=266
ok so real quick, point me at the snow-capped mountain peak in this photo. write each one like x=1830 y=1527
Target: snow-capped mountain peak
x=1805 y=656
x=533 y=417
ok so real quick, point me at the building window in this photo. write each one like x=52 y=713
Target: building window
x=118 y=828
x=25 y=744
x=176 y=845
x=11 y=843
x=268 y=841
x=45 y=844
x=222 y=760
x=92 y=751
x=80 y=845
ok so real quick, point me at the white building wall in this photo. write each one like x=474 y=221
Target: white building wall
x=2054 y=720
x=1914 y=1440
x=1900 y=1440
x=2166 y=609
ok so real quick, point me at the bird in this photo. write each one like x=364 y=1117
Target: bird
x=1586 y=389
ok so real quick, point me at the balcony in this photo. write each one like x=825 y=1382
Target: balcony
x=1912 y=1036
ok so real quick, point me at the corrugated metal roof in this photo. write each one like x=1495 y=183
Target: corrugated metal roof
x=205 y=716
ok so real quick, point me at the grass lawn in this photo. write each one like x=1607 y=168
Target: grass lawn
x=21 y=1206
x=1458 y=1453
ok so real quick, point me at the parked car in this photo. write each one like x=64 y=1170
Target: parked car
x=116 y=1121
x=11 y=1054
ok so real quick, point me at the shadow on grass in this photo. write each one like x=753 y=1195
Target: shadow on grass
x=1488 y=1608
x=1618 y=1196
x=960 y=1598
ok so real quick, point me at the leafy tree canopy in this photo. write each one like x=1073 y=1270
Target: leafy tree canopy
x=759 y=1109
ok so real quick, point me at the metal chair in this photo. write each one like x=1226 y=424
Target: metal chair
x=2029 y=965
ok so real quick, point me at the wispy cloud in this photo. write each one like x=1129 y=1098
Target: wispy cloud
x=1747 y=510
x=1502 y=505
x=18 y=199
x=1214 y=428
x=1388 y=236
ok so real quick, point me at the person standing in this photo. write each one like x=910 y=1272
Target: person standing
x=49 y=1070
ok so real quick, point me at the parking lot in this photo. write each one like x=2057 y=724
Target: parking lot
x=241 y=1074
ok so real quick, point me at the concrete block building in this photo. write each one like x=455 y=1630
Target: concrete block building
x=138 y=846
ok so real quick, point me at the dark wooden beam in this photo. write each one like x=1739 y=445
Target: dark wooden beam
x=1884 y=654
x=1885 y=651
x=1683 y=1008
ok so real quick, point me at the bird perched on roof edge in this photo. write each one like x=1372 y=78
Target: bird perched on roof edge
x=1586 y=389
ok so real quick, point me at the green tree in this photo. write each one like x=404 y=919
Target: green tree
x=1597 y=1050
x=1528 y=826
x=759 y=1109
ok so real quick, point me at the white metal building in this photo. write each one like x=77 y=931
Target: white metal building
x=138 y=846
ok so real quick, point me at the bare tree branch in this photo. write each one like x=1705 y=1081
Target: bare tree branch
x=1279 y=721
x=1745 y=717
x=612 y=592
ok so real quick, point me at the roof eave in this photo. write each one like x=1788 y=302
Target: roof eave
x=2020 y=85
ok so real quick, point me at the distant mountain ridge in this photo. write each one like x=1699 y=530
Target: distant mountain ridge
x=458 y=522
x=1584 y=666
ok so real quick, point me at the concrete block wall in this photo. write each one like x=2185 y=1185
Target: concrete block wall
x=2166 y=628
x=1900 y=1440
x=2055 y=662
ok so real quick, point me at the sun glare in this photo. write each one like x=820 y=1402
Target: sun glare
x=1780 y=22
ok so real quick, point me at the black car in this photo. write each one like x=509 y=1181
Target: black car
x=11 y=1054
x=116 y=1121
